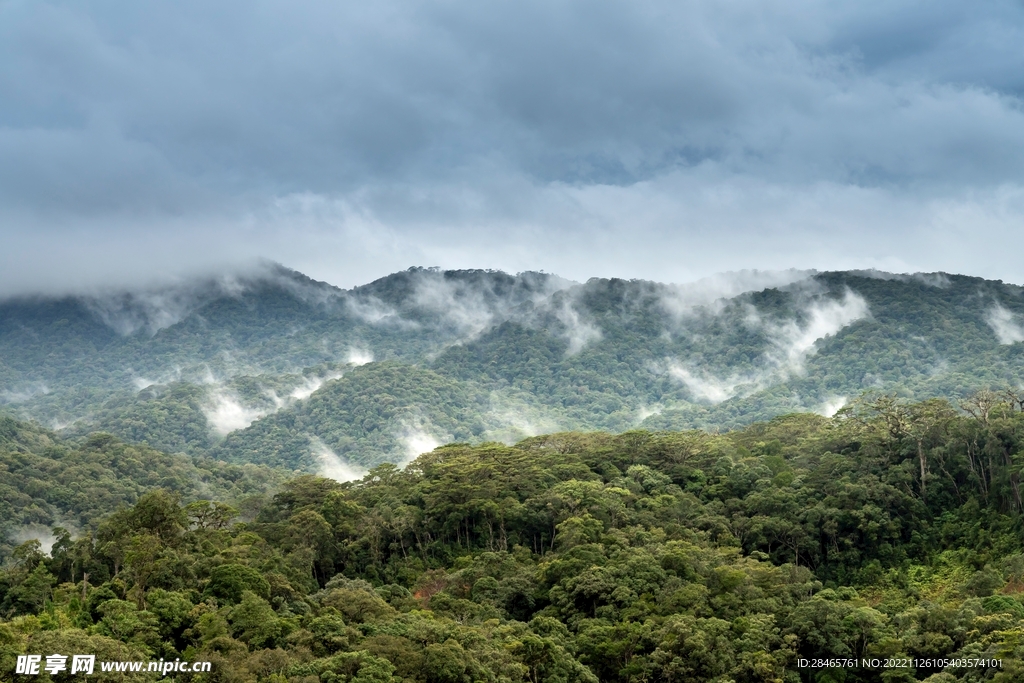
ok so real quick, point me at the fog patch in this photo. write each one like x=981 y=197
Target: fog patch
x=358 y=356
x=225 y=412
x=1004 y=323
x=331 y=466
x=830 y=406
x=938 y=280
x=372 y=310
x=34 y=532
x=26 y=393
x=794 y=341
x=644 y=412
x=166 y=378
x=791 y=342
x=682 y=300
x=705 y=386
x=151 y=309
x=513 y=420
x=414 y=436
x=462 y=304
x=311 y=384
x=577 y=332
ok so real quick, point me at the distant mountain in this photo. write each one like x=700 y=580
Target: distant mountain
x=272 y=367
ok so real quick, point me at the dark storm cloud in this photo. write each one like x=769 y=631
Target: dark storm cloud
x=642 y=138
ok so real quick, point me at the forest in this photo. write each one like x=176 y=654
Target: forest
x=891 y=531
x=274 y=367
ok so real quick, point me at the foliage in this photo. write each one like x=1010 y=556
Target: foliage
x=891 y=530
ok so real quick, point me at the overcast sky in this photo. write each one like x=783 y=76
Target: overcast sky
x=661 y=139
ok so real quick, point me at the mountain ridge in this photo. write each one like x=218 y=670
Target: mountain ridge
x=525 y=354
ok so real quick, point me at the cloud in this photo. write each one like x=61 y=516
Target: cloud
x=511 y=419
x=26 y=393
x=333 y=467
x=680 y=300
x=577 y=331
x=310 y=384
x=359 y=356
x=645 y=412
x=225 y=412
x=794 y=341
x=1004 y=323
x=666 y=140
x=415 y=438
x=830 y=406
x=790 y=343
x=705 y=386
x=373 y=310
x=939 y=280
x=462 y=304
x=34 y=532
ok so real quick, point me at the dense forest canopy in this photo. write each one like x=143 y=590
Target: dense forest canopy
x=892 y=530
x=272 y=367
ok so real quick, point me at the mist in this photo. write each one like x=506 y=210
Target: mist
x=1005 y=324
x=790 y=343
x=225 y=412
x=667 y=141
x=331 y=466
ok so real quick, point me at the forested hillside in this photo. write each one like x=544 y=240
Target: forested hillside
x=891 y=531
x=46 y=482
x=272 y=367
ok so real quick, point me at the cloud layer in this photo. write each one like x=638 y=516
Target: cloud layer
x=665 y=140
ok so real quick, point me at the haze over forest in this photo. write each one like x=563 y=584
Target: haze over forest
x=714 y=374
x=449 y=476
x=271 y=367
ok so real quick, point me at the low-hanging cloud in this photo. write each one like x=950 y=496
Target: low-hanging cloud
x=357 y=356
x=705 y=386
x=311 y=384
x=664 y=141
x=790 y=344
x=576 y=330
x=416 y=437
x=832 y=405
x=225 y=412
x=681 y=300
x=1004 y=323
x=24 y=393
x=794 y=341
x=331 y=466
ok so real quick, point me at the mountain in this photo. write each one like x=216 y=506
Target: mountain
x=269 y=366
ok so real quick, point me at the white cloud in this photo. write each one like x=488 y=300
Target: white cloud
x=23 y=394
x=704 y=386
x=680 y=300
x=359 y=356
x=578 y=332
x=311 y=384
x=645 y=412
x=831 y=406
x=794 y=340
x=333 y=467
x=225 y=412
x=34 y=532
x=415 y=438
x=1004 y=323
x=791 y=342
x=372 y=310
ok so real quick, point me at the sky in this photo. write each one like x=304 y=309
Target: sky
x=657 y=139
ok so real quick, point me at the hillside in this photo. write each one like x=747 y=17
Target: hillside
x=47 y=482
x=273 y=367
x=891 y=532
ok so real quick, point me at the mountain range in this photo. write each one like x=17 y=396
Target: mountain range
x=268 y=366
